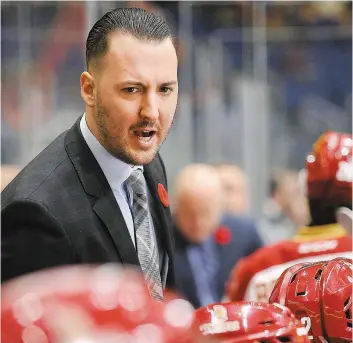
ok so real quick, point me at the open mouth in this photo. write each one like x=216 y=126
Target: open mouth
x=145 y=135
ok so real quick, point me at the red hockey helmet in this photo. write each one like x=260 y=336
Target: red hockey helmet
x=320 y=295
x=241 y=322
x=279 y=294
x=329 y=169
x=95 y=300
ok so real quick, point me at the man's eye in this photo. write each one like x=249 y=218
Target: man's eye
x=130 y=90
x=166 y=90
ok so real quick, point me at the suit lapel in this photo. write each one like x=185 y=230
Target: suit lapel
x=95 y=184
x=88 y=170
x=107 y=210
x=161 y=215
x=223 y=268
x=185 y=278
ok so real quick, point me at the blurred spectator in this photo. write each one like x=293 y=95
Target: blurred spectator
x=235 y=190
x=326 y=12
x=8 y=173
x=207 y=243
x=308 y=13
x=285 y=210
x=327 y=182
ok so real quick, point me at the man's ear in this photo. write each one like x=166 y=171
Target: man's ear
x=88 y=89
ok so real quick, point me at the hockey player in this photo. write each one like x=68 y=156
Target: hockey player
x=328 y=185
x=90 y=304
x=320 y=295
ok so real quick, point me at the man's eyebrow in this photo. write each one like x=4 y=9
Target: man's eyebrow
x=169 y=83
x=140 y=84
x=131 y=83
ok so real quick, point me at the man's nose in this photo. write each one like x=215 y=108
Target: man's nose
x=198 y=224
x=150 y=107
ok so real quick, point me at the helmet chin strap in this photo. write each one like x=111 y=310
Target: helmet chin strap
x=345 y=218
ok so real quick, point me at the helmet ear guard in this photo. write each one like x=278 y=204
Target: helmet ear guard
x=344 y=217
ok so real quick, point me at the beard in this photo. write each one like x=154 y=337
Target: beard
x=116 y=144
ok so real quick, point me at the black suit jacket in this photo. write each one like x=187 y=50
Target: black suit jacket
x=244 y=241
x=60 y=210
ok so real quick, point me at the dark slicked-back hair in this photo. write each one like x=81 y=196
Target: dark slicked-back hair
x=134 y=21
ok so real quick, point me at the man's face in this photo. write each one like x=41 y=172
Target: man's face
x=234 y=190
x=198 y=216
x=288 y=191
x=136 y=95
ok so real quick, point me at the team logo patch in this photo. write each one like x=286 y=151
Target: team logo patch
x=219 y=322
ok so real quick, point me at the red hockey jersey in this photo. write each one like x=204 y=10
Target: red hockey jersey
x=254 y=276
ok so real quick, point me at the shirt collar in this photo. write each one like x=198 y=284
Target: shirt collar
x=115 y=170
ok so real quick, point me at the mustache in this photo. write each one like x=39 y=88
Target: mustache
x=145 y=124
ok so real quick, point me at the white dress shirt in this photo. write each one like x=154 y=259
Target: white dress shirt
x=115 y=171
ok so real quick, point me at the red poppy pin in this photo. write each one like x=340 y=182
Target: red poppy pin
x=223 y=235
x=163 y=195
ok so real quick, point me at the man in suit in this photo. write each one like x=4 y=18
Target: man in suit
x=97 y=193
x=208 y=243
x=234 y=183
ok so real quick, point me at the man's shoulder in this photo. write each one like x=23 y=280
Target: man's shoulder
x=238 y=223
x=268 y=255
x=263 y=282
x=289 y=250
x=44 y=173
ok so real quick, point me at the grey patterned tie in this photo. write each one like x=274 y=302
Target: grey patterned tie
x=147 y=250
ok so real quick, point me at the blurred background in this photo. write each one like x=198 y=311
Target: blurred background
x=259 y=81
